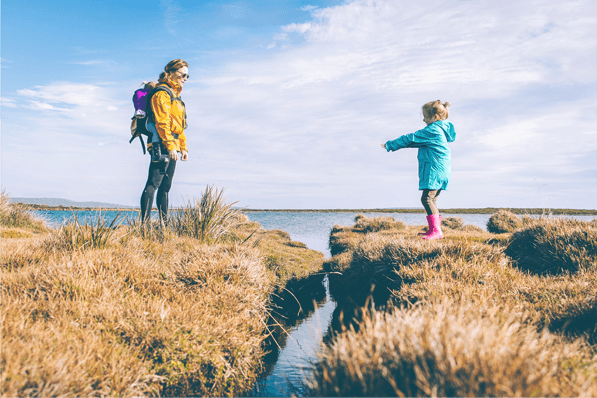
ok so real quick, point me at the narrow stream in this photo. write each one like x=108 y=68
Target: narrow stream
x=285 y=377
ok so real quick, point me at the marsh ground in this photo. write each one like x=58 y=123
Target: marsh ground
x=475 y=313
x=127 y=311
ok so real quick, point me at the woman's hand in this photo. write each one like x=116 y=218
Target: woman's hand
x=184 y=156
x=383 y=146
x=173 y=155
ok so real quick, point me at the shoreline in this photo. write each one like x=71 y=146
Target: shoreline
x=486 y=210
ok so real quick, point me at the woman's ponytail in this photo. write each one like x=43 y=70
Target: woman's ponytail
x=172 y=67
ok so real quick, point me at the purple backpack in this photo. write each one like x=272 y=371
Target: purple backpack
x=140 y=102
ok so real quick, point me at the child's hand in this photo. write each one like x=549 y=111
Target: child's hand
x=383 y=146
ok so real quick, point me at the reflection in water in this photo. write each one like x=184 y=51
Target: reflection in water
x=285 y=376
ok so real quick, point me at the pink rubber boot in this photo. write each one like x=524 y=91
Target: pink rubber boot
x=435 y=222
x=429 y=226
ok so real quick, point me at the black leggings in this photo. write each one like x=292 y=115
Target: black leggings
x=160 y=178
x=428 y=199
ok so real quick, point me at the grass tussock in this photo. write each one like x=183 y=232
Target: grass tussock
x=374 y=262
x=503 y=221
x=16 y=219
x=289 y=260
x=552 y=246
x=471 y=228
x=468 y=267
x=133 y=310
x=452 y=348
x=79 y=236
x=209 y=219
x=453 y=222
x=376 y=224
x=175 y=318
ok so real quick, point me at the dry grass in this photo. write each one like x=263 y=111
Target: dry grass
x=376 y=224
x=13 y=217
x=503 y=221
x=467 y=267
x=453 y=222
x=209 y=219
x=76 y=235
x=453 y=348
x=288 y=259
x=552 y=246
x=143 y=313
x=189 y=313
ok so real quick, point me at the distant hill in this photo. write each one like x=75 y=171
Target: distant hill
x=65 y=202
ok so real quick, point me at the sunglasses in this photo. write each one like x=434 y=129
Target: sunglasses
x=184 y=75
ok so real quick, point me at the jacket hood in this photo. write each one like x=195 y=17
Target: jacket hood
x=447 y=128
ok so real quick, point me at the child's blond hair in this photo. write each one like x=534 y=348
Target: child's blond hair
x=435 y=110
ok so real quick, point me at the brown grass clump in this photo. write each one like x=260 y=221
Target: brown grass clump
x=452 y=348
x=288 y=259
x=471 y=228
x=467 y=266
x=453 y=222
x=342 y=239
x=503 y=221
x=552 y=246
x=376 y=224
x=15 y=217
x=175 y=318
x=209 y=219
x=143 y=312
x=378 y=260
x=76 y=235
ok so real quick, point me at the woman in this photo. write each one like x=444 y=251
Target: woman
x=168 y=114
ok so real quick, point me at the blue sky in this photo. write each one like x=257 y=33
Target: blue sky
x=289 y=101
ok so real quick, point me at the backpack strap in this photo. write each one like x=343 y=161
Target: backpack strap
x=137 y=134
x=166 y=88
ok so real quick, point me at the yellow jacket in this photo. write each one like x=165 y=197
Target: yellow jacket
x=169 y=118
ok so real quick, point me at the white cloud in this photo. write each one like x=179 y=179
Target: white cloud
x=302 y=127
x=8 y=102
x=172 y=13
x=297 y=28
x=317 y=112
x=94 y=62
x=66 y=93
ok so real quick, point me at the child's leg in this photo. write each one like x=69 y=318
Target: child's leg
x=433 y=217
x=428 y=200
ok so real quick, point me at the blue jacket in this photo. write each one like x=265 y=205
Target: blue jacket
x=434 y=154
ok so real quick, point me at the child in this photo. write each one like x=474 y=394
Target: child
x=434 y=159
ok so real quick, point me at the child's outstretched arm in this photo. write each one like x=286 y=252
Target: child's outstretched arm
x=413 y=140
